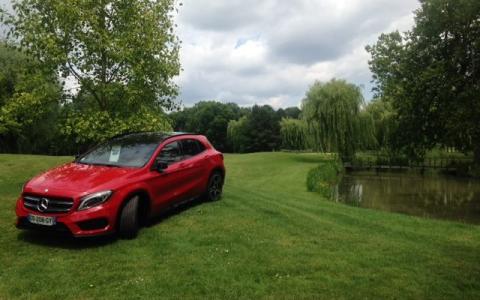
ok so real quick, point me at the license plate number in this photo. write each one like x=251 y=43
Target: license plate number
x=41 y=220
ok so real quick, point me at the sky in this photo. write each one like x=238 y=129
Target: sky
x=271 y=51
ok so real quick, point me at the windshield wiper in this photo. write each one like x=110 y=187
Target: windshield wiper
x=107 y=165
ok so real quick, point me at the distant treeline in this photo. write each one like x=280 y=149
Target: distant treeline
x=333 y=118
x=426 y=93
x=231 y=128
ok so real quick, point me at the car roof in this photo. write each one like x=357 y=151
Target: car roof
x=152 y=136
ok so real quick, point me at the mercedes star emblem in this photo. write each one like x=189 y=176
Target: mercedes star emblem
x=42 y=205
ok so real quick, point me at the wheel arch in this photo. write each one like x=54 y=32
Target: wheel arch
x=217 y=169
x=145 y=205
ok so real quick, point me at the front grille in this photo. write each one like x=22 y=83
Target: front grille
x=54 y=204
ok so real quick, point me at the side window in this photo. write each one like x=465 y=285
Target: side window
x=201 y=147
x=170 y=153
x=191 y=148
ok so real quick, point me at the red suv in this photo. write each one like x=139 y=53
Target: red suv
x=118 y=185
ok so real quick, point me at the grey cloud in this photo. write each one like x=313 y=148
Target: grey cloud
x=220 y=15
x=311 y=46
x=302 y=41
x=221 y=84
x=317 y=36
x=301 y=31
x=295 y=33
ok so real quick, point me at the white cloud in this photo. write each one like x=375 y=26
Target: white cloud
x=270 y=51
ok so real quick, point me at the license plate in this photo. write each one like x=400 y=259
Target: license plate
x=41 y=220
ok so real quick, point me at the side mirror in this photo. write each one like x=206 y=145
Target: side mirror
x=160 y=166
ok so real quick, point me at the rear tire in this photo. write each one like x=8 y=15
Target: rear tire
x=214 y=187
x=128 y=224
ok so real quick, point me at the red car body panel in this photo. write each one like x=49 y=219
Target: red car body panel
x=181 y=181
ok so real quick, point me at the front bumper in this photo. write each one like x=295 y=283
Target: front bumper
x=95 y=221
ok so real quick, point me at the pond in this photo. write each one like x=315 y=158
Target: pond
x=432 y=196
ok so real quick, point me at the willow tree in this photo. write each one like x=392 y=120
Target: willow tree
x=122 y=55
x=331 y=111
x=293 y=132
x=236 y=134
x=365 y=135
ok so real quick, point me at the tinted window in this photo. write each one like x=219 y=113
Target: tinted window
x=191 y=148
x=170 y=153
x=200 y=146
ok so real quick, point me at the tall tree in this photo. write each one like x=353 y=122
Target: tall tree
x=331 y=111
x=257 y=131
x=431 y=75
x=122 y=53
x=29 y=104
x=292 y=112
x=263 y=129
x=383 y=116
x=237 y=134
x=289 y=112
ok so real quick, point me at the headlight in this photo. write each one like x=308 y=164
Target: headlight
x=94 y=199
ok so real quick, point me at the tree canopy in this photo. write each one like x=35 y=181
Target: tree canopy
x=209 y=118
x=29 y=103
x=293 y=133
x=431 y=77
x=383 y=117
x=331 y=111
x=122 y=54
x=258 y=130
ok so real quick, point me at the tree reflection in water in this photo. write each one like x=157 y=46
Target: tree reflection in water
x=427 y=196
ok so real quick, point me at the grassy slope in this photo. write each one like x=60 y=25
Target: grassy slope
x=267 y=237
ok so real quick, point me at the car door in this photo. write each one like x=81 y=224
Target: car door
x=195 y=166
x=168 y=185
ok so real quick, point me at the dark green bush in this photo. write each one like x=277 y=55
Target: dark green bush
x=322 y=178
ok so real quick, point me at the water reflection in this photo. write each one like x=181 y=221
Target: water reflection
x=427 y=196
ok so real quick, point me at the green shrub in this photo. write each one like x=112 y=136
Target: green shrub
x=322 y=178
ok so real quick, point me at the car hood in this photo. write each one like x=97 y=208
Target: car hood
x=77 y=178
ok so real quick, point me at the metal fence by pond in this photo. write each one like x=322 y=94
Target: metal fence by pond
x=387 y=162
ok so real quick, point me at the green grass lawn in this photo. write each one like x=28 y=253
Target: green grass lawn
x=267 y=237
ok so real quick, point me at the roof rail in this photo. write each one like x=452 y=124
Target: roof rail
x=128 y=133
x=170 y=134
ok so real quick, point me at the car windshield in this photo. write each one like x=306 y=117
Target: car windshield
x=126 y=151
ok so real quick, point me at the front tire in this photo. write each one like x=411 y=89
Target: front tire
x=215 y=187
x=128 y=224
